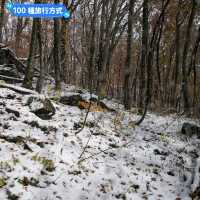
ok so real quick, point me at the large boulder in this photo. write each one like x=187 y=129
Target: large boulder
x=71 y=100
x=9 y=70
x=190 y=129
x=76 y=99
x=42 y=107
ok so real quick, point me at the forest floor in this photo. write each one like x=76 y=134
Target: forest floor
x=46 y=160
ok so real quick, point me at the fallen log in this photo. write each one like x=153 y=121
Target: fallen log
x=17 y=89
x=11 y=79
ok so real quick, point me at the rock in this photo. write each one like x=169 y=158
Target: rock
x=11 y=196
x=15 y=112
x=11 y=96
x=120 y=196
x=42 y=107
x=160 y=153
x=196 y=193
x=72 y=100
x=9 y=70
x=93 y=99
x=190 y=129
x=104 y=106
x=77 y=100
x=77 y=126
x=7 y=56
x=170 y=173
x=45 y=129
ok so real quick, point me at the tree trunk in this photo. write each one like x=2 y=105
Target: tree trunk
x=127 y=71
x=65 y=46
x=29 y=74
x=41 y=78
x=177 y=54
x=92 y=48
x=186 y=105
x=2 y=19
x=143 y=60
x=56 y=52
x=28 y=79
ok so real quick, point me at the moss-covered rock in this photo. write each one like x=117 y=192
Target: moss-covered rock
x=2 y=182
x=190 y=129
x=42 y=107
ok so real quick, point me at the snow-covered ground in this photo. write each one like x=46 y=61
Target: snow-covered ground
x=122 y=161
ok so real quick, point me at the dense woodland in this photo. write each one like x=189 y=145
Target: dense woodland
x=144 y=53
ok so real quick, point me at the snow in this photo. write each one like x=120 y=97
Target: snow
x=121 y=161
x=17 y=88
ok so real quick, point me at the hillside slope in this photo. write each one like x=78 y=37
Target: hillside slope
x=46 y=160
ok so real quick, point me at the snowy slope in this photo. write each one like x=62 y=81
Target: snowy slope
x=121 y=161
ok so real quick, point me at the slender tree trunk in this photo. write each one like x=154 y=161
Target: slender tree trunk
x=143 y=60
x=21 y=24
x=2 y=19
x=65 y=46
x=28 y=79
x=101 y=48
x=177 y=56
x=127 y=71
x=149 y=62
x=56 y=52
x=29 y=74
x=41 y=78
x=92 y=47
x=193 y=66
x=186 y=104
x=18 y=33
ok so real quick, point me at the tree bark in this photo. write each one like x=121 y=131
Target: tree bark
x=56 y=52
x=186 y=104
x=127 y=71
x=40 y=81
x=65 y=46
x=143 y=60
x=2 y=19
x=29 y=73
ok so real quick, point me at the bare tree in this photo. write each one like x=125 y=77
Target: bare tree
x=56 y=52
x=2 y=19
x=143 y=59
x=28 y=78
x=184 y=88
x=127 y=85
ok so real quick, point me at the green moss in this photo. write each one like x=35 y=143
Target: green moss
x=164 y=137
x=15 y=160
x=4 y=165
x=2 y=182
x=2 y=82
x=48 y=164
x=25 y=181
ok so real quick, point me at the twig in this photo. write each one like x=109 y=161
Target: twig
x=84 y=149
x=86 y=114
x=77 y=132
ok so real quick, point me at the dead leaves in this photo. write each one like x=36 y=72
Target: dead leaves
x=92 y=106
